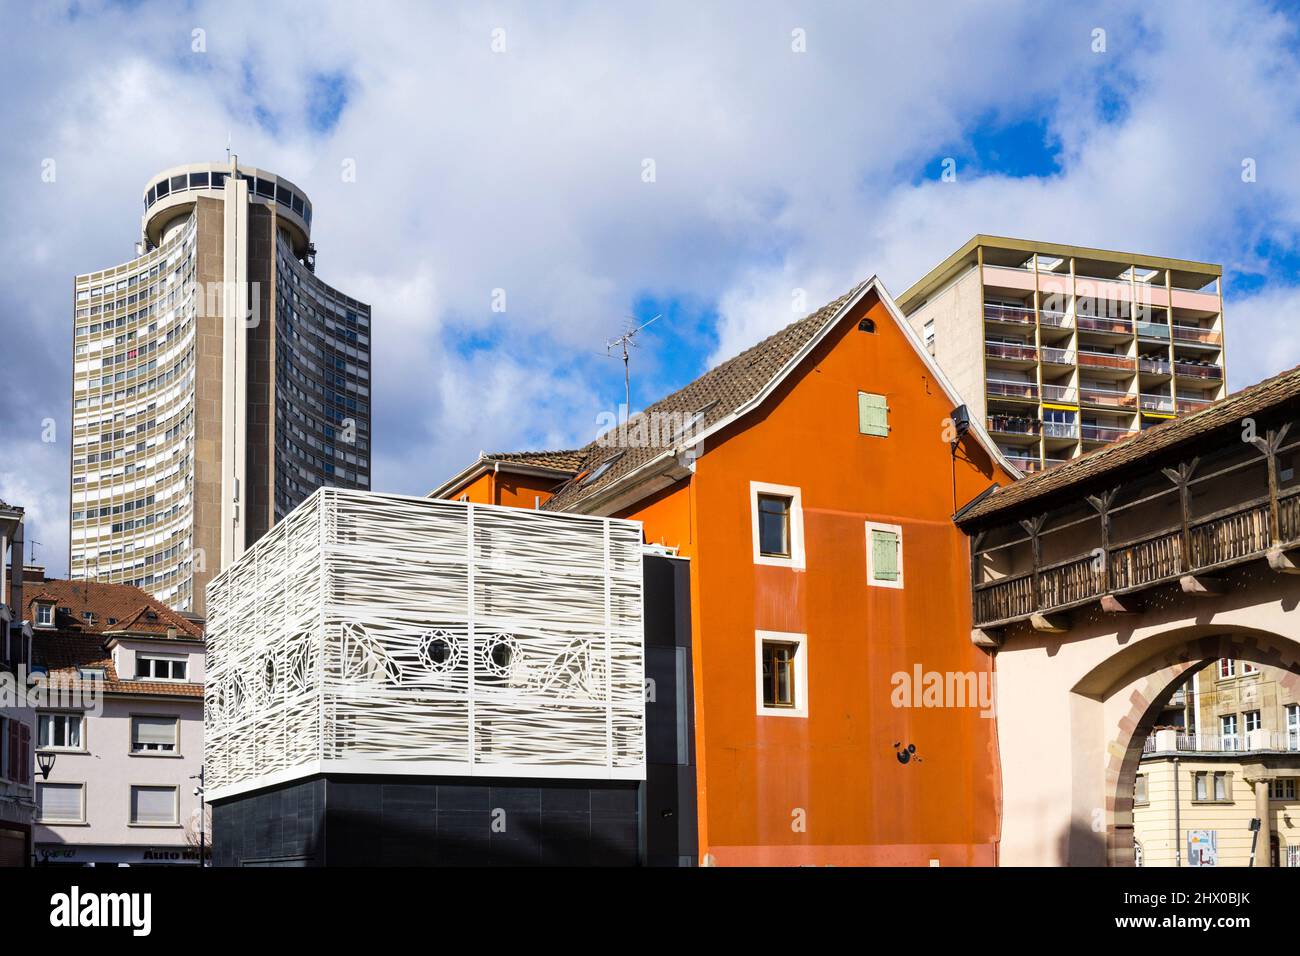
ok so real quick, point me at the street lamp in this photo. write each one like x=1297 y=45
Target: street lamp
x=45 y=763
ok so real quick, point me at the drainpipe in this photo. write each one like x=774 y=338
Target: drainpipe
x=1178 y=818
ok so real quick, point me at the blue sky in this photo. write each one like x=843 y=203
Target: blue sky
x=796 y=148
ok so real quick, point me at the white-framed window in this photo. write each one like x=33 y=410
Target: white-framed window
x=60 y=802
x=1227 y=667
x=884 y=555
x=44 y=615
x=777 y=514
x=929 y=336
x=154 y=806
x=59 y=731
x=1248 y=668
x=152 y=667
x=1140 y=797
x=1228 y=731
x=1293 y=726
x=1252 y=720
x=1293 y=855
x=154 y=733
x=781 y=673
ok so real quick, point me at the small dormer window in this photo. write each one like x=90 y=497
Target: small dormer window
x=112 y=621
x=44 y=615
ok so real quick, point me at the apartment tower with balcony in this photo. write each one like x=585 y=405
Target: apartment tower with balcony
x=1060 y=349
x=216 y=383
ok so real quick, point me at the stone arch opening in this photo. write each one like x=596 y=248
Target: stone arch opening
x=1114 y=708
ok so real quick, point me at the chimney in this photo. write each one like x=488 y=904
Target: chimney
x=34 y=573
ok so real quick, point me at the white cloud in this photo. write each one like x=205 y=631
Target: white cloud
x=775 y=170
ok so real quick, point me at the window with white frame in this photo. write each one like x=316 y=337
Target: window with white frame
x=1293 y=855
x=1248 y=668
x=1293 y=726
x=781 y=673
x=154 y=806
x=884 y=555
x=153 y=733
x=61 y=802
x=1228 y=731
x=929 y=336
x=150 y=667
x=59 y=731
x=44 y=615
x=1227 y=667
x=777 y=516
x=1252 y=720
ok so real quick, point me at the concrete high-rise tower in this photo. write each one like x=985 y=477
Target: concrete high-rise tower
x=216 y=383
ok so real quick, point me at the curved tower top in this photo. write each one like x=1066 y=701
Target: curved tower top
x=170 y=196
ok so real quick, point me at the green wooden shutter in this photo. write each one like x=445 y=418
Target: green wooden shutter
x=884 y=555
x=873 y=415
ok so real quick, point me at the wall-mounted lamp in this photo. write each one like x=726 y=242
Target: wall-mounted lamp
x=44 y=763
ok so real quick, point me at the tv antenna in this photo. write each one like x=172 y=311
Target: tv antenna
x=624 y=342
x=32 y=550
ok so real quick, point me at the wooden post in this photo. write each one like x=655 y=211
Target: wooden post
x=1101 y=504
x=1181 y=476
x=1268 y=446
x=975 y=541
x=1033 y=526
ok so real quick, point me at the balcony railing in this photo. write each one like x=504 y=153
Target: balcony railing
x=1054 y=356
x=1153 y=330
x=1157 y=403
x=1025 y=463
x=1056 y=320
x=1009 y=313
x=1194 y=333
x=1112 y=397
x=1014 y=425
x=1059 y=393
x=1107 y=360
x=1104 y=432
x=1225 y=538
x=1009 y=350
x=1154 y=366
x=1188 y=403
x=1253 y=741
x=1013 y=389
x=1061 y=429
x=1193 y=370
x=1102 y=323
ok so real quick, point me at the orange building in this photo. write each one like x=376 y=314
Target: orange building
x=841 y=713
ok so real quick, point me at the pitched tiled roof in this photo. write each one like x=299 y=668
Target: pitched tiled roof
x=65 y=654
x=77 y=642
x=128 y=608
x=569 y=460
x=720 y=392
x=1110 y=461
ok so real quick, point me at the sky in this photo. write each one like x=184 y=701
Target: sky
x=728 y=166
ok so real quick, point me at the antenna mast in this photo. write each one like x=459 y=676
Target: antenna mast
x=625 y=341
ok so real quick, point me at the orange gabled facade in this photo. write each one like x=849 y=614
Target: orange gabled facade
x=824 y=784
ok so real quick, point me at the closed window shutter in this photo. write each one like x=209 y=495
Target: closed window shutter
x=873 y=414
x=25 y=765
x=155 y=733
x=58 y=801
x=11 y=771
x=884 y=555
x=153 y=805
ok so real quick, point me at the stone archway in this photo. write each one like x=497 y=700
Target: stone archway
x=1145 y=683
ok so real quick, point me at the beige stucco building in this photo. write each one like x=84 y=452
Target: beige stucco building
x=1061 y=349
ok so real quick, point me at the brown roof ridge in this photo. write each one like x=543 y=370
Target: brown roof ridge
x=1229 y=410
x=722 y=390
